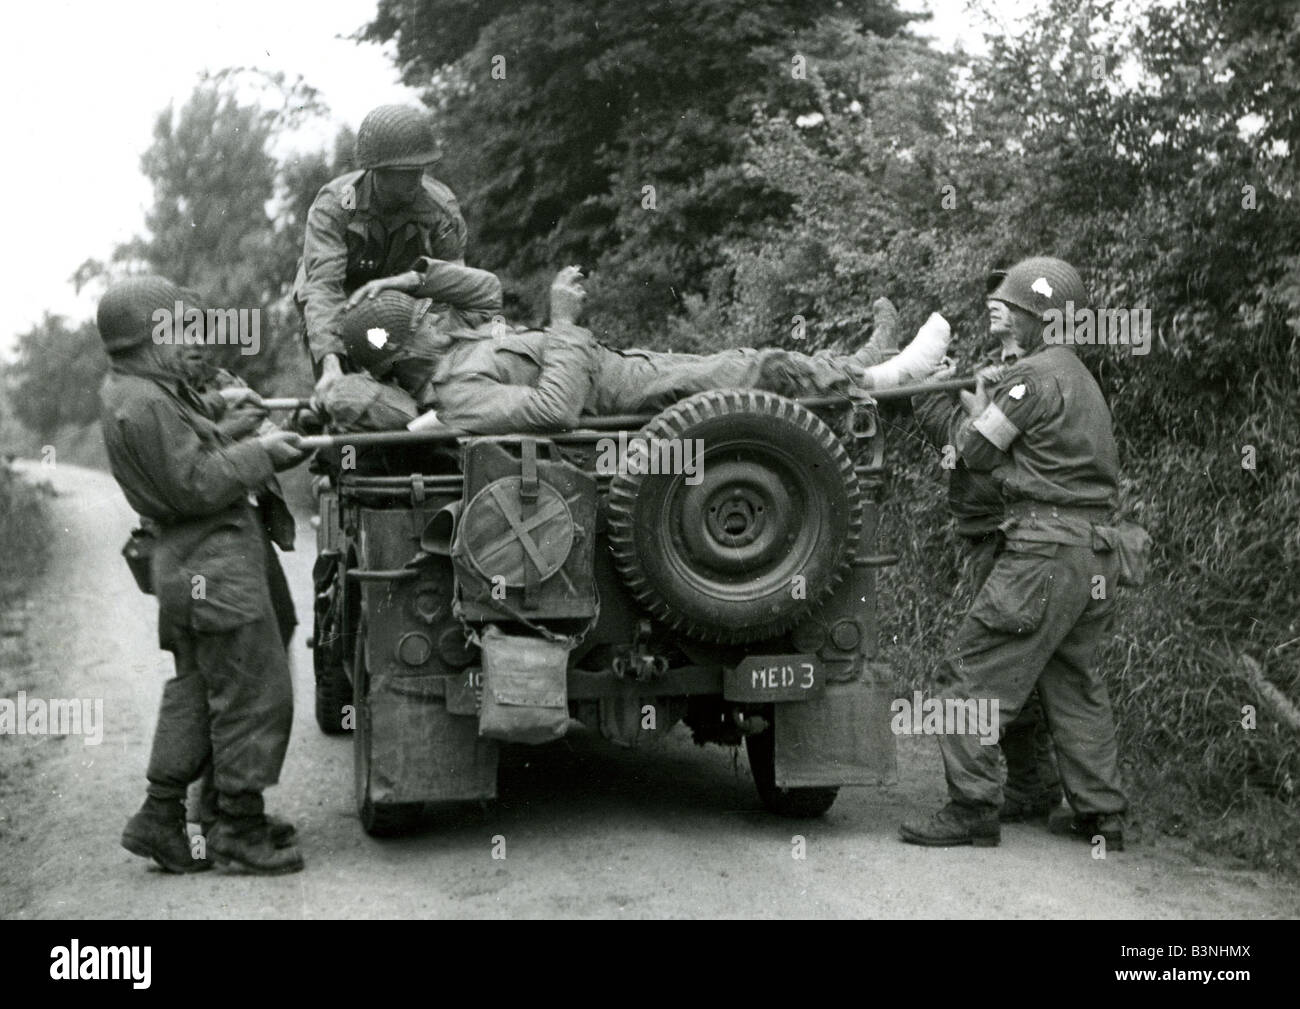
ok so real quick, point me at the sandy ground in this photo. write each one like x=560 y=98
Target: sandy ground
x=590 y=830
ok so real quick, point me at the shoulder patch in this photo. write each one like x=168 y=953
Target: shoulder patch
x=1017 y=391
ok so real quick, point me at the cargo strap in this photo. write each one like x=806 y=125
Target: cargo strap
x=527 y=509
x=570 y=641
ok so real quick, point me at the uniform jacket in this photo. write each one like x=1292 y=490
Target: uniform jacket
x=350 y=241
x=1046 y=437
x=522 y=380
x=178 y=470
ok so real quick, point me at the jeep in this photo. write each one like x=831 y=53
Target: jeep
x=713 y=564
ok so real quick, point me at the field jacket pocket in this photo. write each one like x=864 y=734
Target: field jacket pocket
x=220 y=583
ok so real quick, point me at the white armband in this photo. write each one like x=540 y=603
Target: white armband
x=994 y=425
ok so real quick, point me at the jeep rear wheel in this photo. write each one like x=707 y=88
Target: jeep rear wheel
x=796 y=803
x=763 y=534
x=333 y=691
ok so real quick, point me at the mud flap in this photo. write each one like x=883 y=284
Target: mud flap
x=420 y=752
x=840 y=738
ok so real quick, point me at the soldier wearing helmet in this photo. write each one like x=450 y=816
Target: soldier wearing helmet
x=230 y=704
x=1043 y=432
x=373 y=222
x=1032 y=789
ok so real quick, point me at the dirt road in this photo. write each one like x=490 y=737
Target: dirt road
x=589 y=830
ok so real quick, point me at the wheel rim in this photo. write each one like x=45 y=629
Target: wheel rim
x=737 y=534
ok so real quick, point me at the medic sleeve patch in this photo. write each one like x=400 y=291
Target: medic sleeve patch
x=994 y=425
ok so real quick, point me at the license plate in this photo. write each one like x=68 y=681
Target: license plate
x=765 y=678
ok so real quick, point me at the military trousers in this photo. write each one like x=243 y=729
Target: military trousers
x=635 y=381
x=1038 y=621
x=203 y=796
x=1026 y=741
x=230 y=704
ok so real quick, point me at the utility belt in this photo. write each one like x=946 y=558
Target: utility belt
x=1037 y=521
x=1081 y=526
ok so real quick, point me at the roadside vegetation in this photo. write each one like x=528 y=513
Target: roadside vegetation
x=24 y=534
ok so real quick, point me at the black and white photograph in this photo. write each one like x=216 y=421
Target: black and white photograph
x=651 y=459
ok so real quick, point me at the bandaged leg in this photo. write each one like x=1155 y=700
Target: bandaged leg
x=915 y=362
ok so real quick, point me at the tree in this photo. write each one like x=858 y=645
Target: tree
x=607 y=133
x=56 y=374
x=227 y=215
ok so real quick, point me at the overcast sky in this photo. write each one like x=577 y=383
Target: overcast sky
x=84 y=80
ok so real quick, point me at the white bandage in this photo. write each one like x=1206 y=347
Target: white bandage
x=915 y=362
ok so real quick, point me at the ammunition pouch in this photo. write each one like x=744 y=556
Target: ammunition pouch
x=138 y=552
x=1132 y=545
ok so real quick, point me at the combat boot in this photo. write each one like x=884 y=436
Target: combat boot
x=243 y=846
x=953 y=825
x=283 y=834
x=884 y=333
x=1086 y=826
x=154 y=832
x=1020 y=809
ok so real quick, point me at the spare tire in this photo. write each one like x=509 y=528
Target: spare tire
x=775 y=498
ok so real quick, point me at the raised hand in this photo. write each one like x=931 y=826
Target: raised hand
x=567 y=295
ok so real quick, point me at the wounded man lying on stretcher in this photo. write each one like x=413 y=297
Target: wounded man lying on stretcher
x=434 y=339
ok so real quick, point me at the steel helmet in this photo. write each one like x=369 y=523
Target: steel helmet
x=396 y=136
x=375 y=329
x=1040 y=284
x=125 y=314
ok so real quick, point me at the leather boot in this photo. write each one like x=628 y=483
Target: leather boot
x=954 y=825
x=1086 y=826
x=283 y=833
x=1022 y=809
x=884 y=333
x=159 y=833
x=243 y=846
